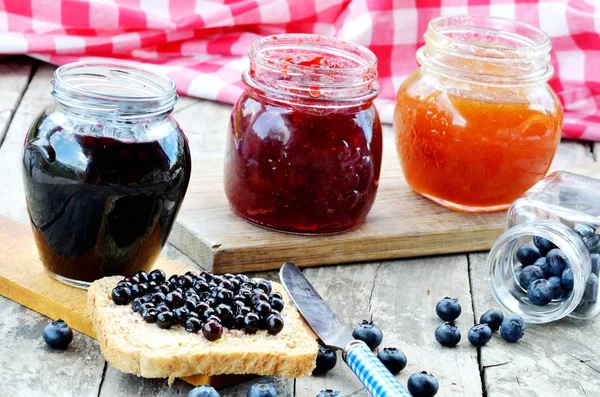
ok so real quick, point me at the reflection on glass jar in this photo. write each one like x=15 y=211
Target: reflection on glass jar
x=546 y=264
x=106 y=168
x=477 y=125
x=304 y=146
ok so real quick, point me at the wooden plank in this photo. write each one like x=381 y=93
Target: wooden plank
x=557 y=359
x=14 y=77
x=30 y=368
x=403 y=302
x=401 y=224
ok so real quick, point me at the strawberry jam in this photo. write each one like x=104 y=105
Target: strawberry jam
x=304 y=146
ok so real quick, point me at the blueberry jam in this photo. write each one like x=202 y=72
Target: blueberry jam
x=98 y=205
x=212 y=304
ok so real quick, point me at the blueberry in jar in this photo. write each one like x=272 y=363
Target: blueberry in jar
x=527 y=255
x=529 y=275
x=422 y=384
x=326 y=360
x=368 y=332
x=203 y=391
x=567 y=280
x=480 y=334
x=540 y=292
x=262 y=389
x=447 y=334
x=58 y=334
x=448 y=309
x=557 y=287
x=543 y=245
x=512 y=328
x=393 y=359
x=595 y=261
x=557 y=262
x=493 y=318
x=542 y=263
x=590 y=294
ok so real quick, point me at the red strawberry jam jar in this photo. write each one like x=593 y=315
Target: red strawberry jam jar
x=304 y=145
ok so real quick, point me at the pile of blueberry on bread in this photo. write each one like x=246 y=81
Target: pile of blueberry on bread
x=202 y=302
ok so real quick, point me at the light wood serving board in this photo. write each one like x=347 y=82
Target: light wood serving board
x=24 y=280
x=401 y=224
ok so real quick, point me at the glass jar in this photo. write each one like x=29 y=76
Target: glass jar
x=304 y=145
x=105 y=171
x=560 y=218
x=477 y=124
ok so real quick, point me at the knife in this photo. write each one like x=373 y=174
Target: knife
x=376 y=378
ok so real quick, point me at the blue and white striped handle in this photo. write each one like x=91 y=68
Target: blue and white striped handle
x=378 y=381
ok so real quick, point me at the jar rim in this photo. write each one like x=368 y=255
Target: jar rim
x=312 y=67
x=112 y=88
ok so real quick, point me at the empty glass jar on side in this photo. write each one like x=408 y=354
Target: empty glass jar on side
x=558 y=223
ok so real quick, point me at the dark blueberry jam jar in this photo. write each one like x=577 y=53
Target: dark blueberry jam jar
x=304 y=145
x=105 y=171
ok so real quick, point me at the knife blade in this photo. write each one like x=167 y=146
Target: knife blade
x=376 y=378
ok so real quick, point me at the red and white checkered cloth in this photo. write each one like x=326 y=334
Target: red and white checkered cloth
x=202 y=44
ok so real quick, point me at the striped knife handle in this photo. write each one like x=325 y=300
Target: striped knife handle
x=376 y=378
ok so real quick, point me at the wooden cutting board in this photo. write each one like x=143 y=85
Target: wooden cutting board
x=401 y=224
x=24 y=280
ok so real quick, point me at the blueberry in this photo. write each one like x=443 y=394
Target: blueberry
x=447 y=334
x=264 y=285
x=543 y=245
x=493 y=318
x=142 y=276
x=262 y=389
x=590 y=294
x=480 y=334
x=567 y=279
x=149 y=315
x=57 y=334
x=157 y=276
x=529 y=275
x=212 y=330
x=274 y=324
x=251 y=323
x=393 y=359
x=526 y=254
x=277 y=304
x=263 y=309
x=326 y=360
x=512 y=328
x=157 y=298
x=328 y=393
x=203 y=391
x=557 y=262
x=540 y=292
x=238 y=322
x=193 y=325
x=121 y=295
x=275 y=295
x=162 y=308
x=137 y=302
x=595 y=262
x=368 y=332
x=174 y=299
x=225 y=313
x=557 y=288
x=165 y=320
x=422 y=384
x=448 y=309
x=542 y=263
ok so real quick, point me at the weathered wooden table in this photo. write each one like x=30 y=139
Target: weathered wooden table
x=559 y=359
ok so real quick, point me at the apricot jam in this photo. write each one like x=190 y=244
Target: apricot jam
x=475 y=131
x=304 y=146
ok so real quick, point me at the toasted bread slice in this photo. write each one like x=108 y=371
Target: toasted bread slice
x=133 y=346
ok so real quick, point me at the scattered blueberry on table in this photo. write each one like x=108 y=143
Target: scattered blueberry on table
x=493 y=318
x=328 y=393
x=326 y=360
x=58 y=334
x=447 y=334
x=203 y=391
x=480 y=334
x=512 y=328
x=540 y=292
x=368 y=332
x=527 y=255
x=393 y=359
x=262 y=389
x=448 y=309
x=422 y=384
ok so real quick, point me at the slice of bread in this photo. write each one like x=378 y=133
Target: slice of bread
x=134 y=346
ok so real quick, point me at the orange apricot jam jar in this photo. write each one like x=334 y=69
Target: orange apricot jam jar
x=477 y=124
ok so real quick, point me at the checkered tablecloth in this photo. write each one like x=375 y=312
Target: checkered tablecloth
x=202 y=44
